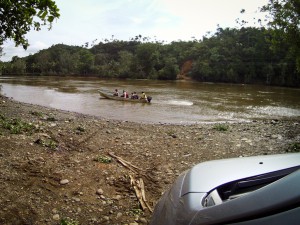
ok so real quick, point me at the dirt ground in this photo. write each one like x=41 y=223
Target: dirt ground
x=55 y=166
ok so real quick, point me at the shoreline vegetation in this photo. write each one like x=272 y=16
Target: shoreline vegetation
x=230 y=55
x=60 y=167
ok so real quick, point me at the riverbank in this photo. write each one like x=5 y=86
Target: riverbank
x=55 y=165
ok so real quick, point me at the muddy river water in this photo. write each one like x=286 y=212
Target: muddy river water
x=177 y=102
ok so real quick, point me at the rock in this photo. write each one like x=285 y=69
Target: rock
x=102 y=197
x=143 y=220
x=279 y=137
x=169 y=171
x=64 y=181
x=56 y=217
x=274 y=121
x=54 y=211
x=119 y=215
x=45 y=135
x=117 y=197
x=99 y=191
x=92 y=220
x=106 y=218
x=76 y=199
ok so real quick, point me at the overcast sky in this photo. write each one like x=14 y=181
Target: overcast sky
x=84 y=21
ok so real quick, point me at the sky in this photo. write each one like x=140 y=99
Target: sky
x=84 y=21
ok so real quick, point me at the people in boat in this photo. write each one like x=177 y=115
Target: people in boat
x=144 y=96
x=125 y=94
x=116 y=93
x=134 y=95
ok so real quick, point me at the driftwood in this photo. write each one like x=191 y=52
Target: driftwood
x=127 y=164
x=139 y=188
x=132 y=167
x=137 y=183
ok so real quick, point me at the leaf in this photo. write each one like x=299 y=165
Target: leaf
x=50 y=19
x=43 y=16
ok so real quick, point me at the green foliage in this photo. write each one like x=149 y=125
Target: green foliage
x=49 y=143
x=51 y=119
x=16 y=126
x=170 y=69
x=86 y=61
x=80 y=129
x=294 y=147
x=67 y=221
x=170 y=132
x=136 y=212
x=19 y=17
x=284 y=19
x=103 y=159
x=35 y=113
x=221 y=127
x=126 y=61
x=147 y=56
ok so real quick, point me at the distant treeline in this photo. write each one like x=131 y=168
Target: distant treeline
x=243 y=55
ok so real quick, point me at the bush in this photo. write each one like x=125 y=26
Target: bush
x=294 y=147
x=221 y=127
x=35 y=113
x=103 y=159
x=16 y=126
x=68 y=221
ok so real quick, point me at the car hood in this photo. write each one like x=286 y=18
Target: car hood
x=206 y=176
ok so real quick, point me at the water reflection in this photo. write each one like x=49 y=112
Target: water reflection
x=173 y=101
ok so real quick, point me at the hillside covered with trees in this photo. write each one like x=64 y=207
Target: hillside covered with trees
x=244 y=55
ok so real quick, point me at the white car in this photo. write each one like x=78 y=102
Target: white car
x=249 y=190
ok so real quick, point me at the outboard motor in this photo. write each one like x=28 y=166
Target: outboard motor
x=149 y=98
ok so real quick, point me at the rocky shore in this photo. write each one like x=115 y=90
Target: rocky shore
x=58 y=167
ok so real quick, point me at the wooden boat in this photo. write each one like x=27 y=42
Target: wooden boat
x=109 y=95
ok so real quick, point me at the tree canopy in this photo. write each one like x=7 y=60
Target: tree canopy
x=18 y=17
x=284 y=20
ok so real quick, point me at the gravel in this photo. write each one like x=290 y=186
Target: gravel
x=60 y=168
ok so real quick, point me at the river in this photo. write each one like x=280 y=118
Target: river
x=176 y=102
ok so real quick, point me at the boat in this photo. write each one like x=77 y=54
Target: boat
x=109 y=95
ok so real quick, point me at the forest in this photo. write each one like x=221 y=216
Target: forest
x=230 y=55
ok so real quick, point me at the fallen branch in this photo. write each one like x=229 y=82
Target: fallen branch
x=138 y=184
x=142 y=185
x=131 y=167
x=139 y=189
x=125 y=163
